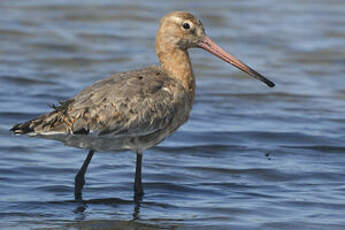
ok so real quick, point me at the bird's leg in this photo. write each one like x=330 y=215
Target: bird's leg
x=79 y=179
x=138 y=187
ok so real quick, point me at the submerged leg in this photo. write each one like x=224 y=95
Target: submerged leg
x=79 y=179
x=138 y=187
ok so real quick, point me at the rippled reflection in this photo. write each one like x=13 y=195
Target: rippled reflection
x=249 y=158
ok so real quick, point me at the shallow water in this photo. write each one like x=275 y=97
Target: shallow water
x=250 y=157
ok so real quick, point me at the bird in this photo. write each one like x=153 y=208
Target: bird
x=138 y=109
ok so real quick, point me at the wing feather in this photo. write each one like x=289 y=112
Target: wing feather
x=135 y=103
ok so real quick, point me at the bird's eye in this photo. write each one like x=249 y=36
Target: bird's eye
x=186 y=26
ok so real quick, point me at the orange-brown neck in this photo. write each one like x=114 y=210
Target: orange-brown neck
x=177 y=63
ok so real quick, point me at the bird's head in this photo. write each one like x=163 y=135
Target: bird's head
x=183 y=30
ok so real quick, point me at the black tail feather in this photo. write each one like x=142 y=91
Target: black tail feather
x=44 y=122
x=22 y=128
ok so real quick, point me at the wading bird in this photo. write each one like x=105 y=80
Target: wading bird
x=138 y=109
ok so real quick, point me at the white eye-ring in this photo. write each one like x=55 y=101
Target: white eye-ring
x=186 y=26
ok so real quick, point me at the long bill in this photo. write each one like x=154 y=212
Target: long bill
x=207 y=44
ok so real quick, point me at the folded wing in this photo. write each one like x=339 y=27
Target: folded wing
x=135 y=103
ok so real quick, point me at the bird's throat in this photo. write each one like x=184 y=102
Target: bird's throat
x=177 y=64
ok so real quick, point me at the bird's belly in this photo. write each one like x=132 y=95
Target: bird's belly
x=110 y=142
x=119 y=142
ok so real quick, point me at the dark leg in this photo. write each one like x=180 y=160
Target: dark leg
x=138 y=187
x=79 y=180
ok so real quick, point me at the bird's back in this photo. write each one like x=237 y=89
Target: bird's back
x=130 y=110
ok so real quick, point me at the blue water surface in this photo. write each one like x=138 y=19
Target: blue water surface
x=250 y=157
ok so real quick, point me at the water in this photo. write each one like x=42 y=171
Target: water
x=250 y=157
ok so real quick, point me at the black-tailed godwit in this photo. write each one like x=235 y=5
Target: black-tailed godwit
x=138 y=109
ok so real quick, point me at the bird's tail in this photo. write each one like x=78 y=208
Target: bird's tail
x=22 y=128
x=53 y=122
x=44 y=124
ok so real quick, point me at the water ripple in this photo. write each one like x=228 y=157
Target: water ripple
x=249 y=157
